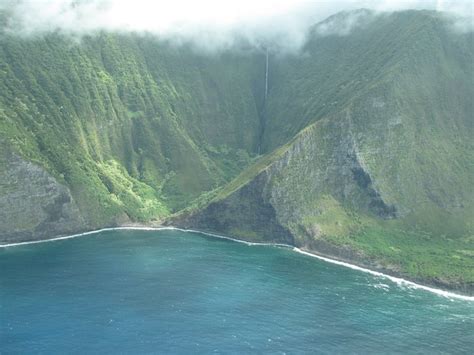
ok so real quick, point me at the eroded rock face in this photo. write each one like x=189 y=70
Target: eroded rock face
x=325 y=160
x=33 y=205
x=245 y=214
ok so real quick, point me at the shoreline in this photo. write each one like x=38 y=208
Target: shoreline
x=397 y=280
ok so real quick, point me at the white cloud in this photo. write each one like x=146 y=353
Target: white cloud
x=207 y=23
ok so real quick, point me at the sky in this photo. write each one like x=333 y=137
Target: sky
x=210 y=24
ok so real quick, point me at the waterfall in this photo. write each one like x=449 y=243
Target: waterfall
x=263 y=108
x=266 y=76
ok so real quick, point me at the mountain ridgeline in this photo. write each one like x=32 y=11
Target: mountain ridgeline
x=359 y=147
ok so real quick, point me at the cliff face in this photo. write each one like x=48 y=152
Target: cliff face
x=246 y=213
x=33 y=205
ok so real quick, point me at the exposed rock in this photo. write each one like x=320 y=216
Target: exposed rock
x=33 y=205
x=245 y=214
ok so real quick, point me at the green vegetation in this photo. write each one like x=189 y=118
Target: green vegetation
x=175 y=123
x=366 y=139
x=415 y=253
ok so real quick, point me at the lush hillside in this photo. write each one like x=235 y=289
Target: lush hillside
x=135 y=128
x=365 y=140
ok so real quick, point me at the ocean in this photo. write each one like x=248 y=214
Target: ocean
x=170 y=291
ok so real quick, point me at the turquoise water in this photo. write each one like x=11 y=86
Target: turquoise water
x=177 y=292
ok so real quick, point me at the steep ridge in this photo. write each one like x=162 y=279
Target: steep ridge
x=337 y=66
x=320 y=194
x=384 y=181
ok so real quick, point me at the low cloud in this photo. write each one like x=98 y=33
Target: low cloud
x=208 y=24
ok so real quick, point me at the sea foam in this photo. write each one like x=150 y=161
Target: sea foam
x=397 y=280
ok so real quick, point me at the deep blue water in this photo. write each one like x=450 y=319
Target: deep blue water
x=177 y=292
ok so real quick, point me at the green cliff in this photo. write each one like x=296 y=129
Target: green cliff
x=135 y=128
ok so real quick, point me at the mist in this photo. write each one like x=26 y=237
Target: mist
x=208 y=24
